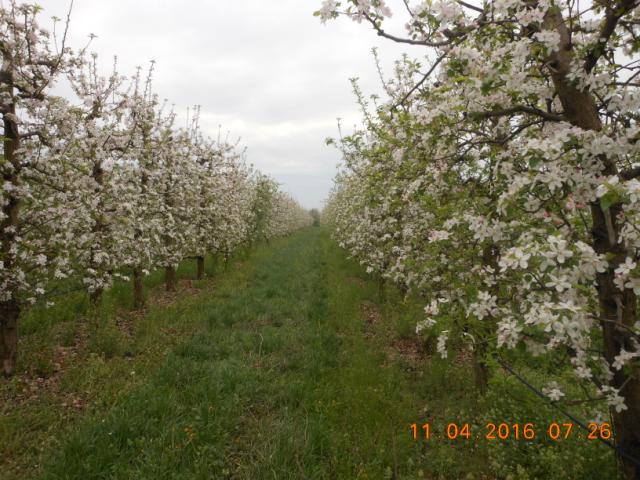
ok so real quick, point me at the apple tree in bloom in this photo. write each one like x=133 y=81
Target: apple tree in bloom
x=97 y=147
x=515 y=148
x=33 y=215
x=225 y=198
x=147 y=126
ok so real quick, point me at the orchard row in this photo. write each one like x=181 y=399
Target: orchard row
x=105 y=185
x=498 y=179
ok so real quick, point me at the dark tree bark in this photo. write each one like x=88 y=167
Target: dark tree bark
x=616 y=307
x=139 y=301
x=170 y=279
x=9 y=315
x=381 y=289
x=481 y=370
x=95 y=298
x=99 y=227
x=9 y=309
x=138 y=289
x=200 y=268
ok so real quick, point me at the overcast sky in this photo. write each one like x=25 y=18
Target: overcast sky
x=266 y=70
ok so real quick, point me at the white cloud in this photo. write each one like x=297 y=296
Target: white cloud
x=266 y=70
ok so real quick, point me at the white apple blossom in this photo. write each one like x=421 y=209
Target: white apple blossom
x=552 y=390
x=441 y=346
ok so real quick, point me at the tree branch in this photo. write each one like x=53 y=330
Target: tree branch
x=517 y=109
x=630 y=174
x=409 y=41
x=472 y=7
x=421 y=82
x=609 y=24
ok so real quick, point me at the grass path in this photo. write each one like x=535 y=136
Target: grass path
x=284 y=366
x=282 y=377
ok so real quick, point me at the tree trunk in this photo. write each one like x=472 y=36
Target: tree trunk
x=381 y=289
x=138 y=289
x=200 y=273
x=481 y=373
x=170 y=278
x=98 y=229
x=9 y=314
x=9 y=227
x=95 y=298
x=617 y=309
x=480 y=369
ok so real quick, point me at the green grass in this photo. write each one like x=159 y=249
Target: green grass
x=278 y=382
x=272 y=371
x=104 y=362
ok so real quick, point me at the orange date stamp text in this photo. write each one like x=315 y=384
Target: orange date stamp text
x=492 y=431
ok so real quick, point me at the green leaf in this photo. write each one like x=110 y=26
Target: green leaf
x=610 y=198
x=486 y=87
